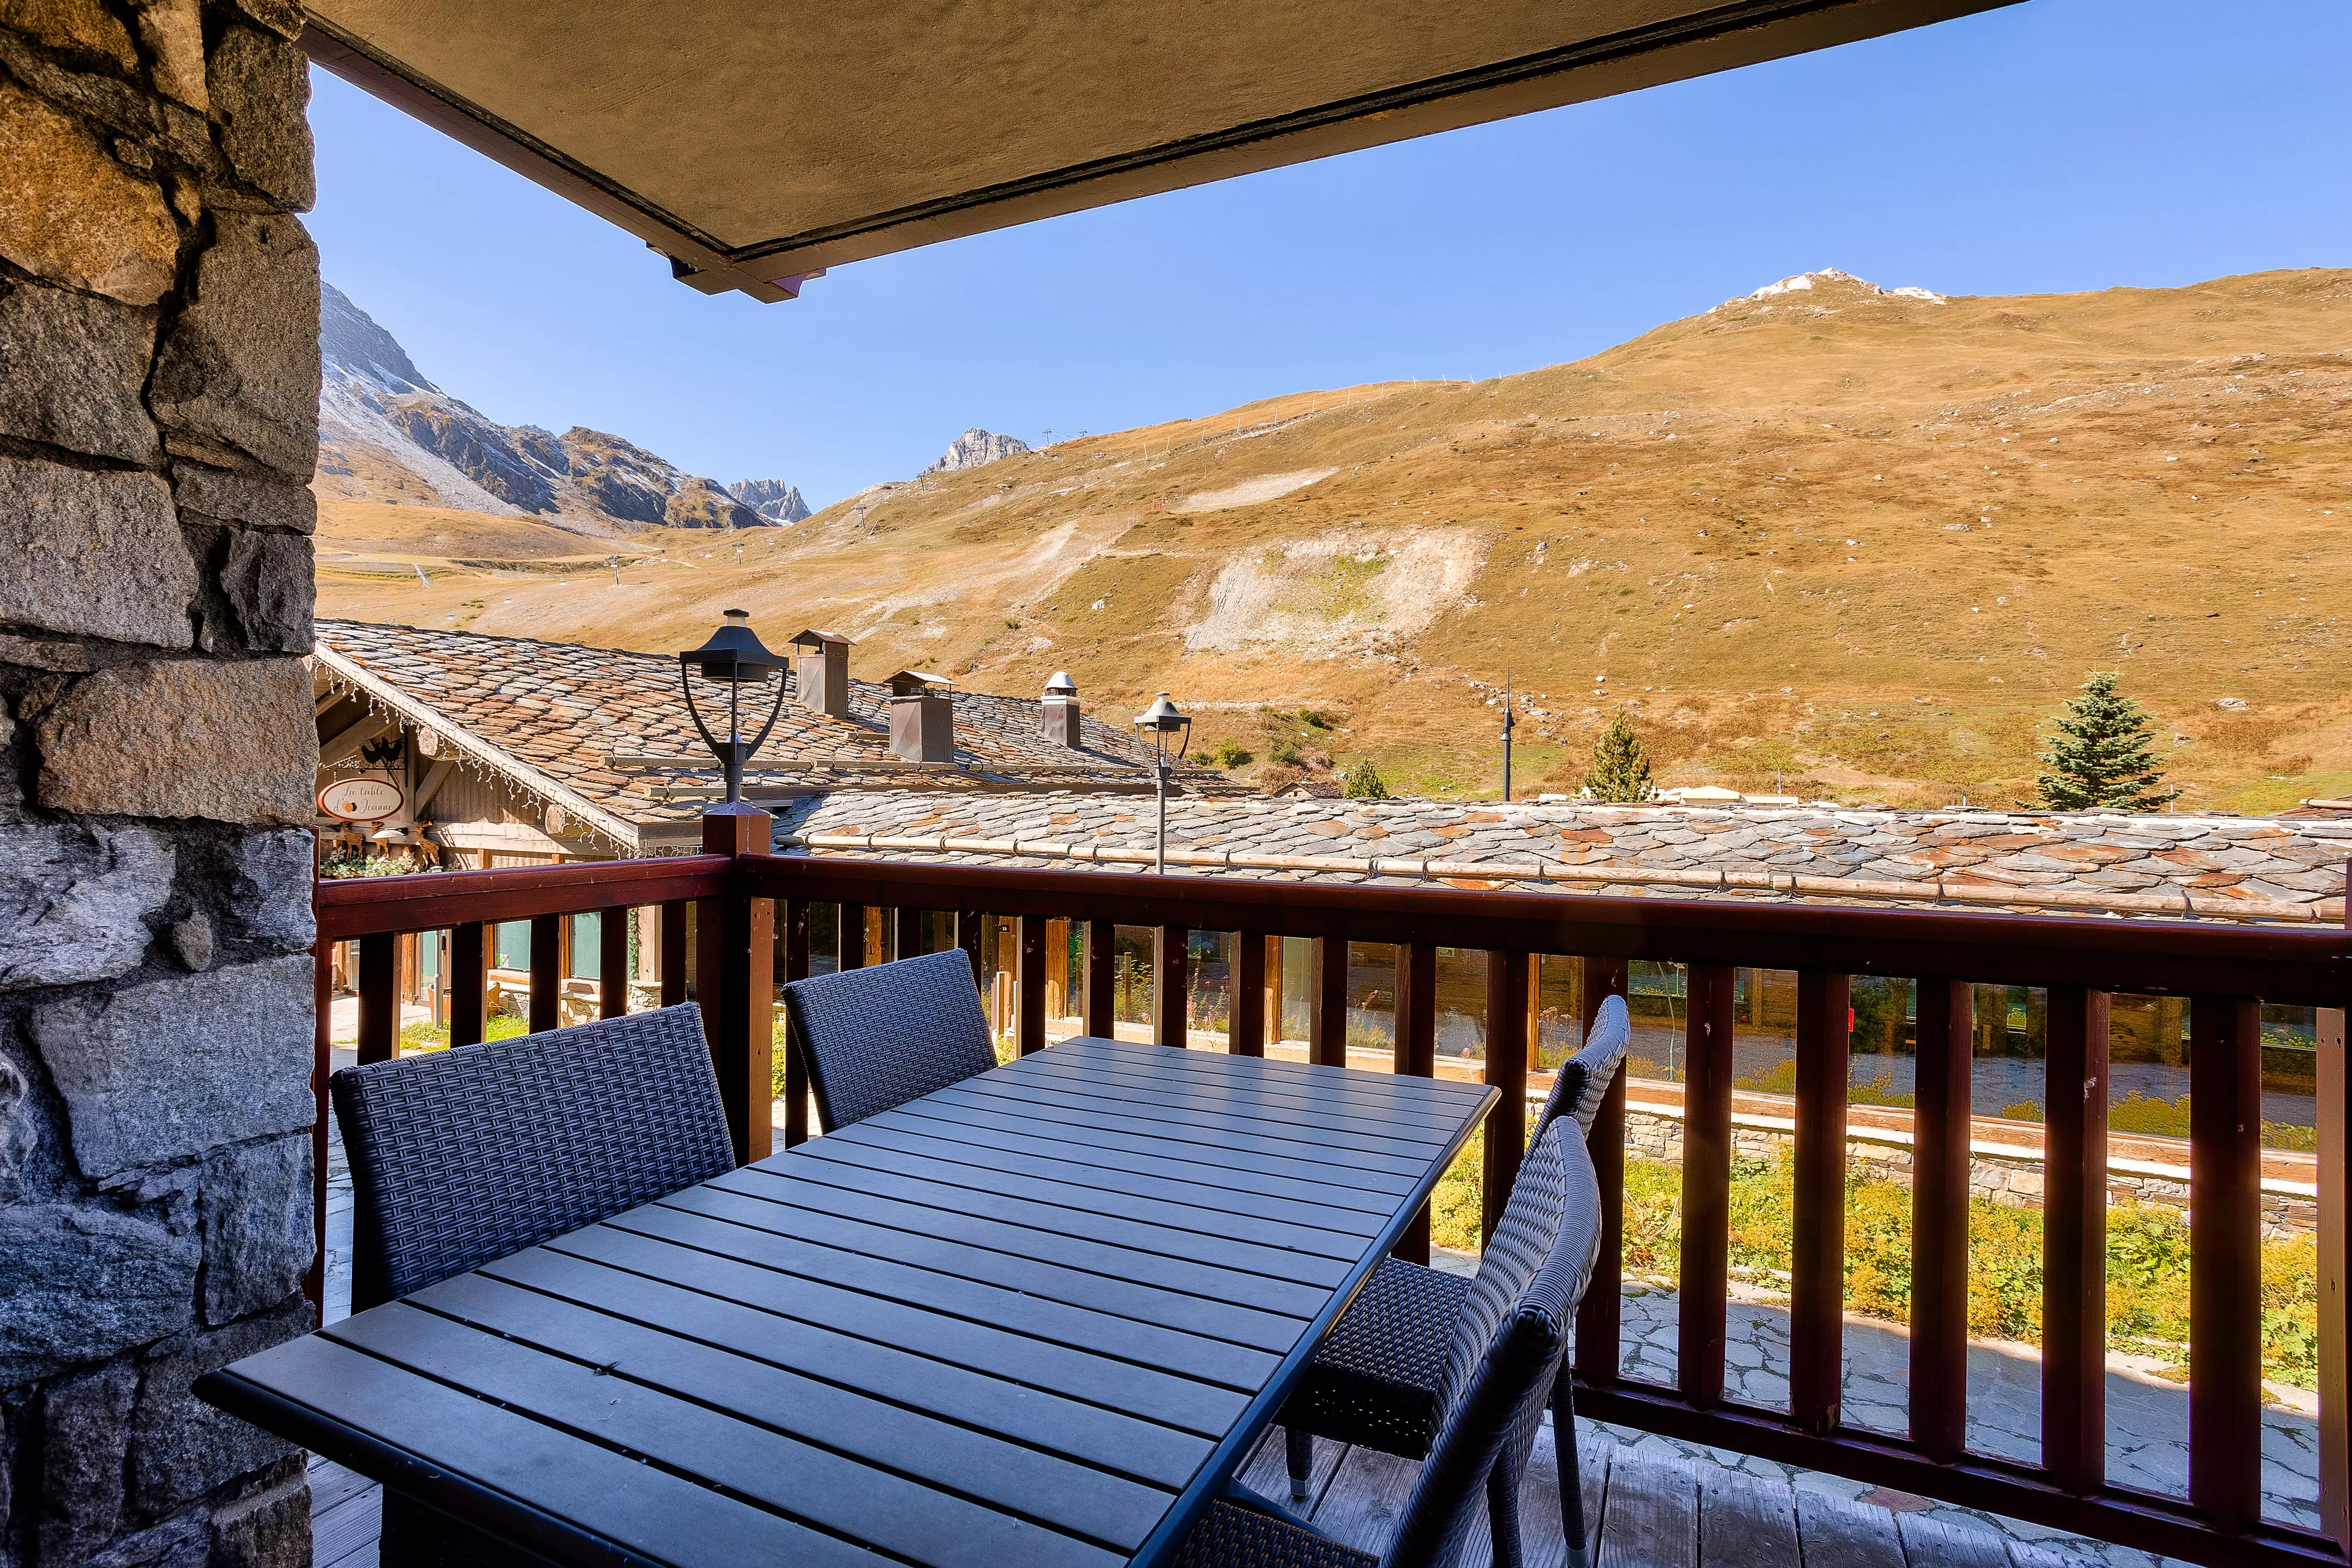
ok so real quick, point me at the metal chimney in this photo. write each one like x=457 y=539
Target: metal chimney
x=922 y=726
x=821 y=672
x=1061 y=708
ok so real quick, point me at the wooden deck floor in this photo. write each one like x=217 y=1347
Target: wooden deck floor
x=1652 y=1513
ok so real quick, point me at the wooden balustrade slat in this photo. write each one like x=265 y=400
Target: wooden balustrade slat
x=1102 y=982
x=356 y=907
x=1507 y=1071
x=379 y=1012
x=735 y=984
x=792 y=948
x=850 y=937
x=546 y=972
x=1171 y=986
x=2335 y=1388
x=1598 y=1315
x=2225 y=1259
x=1940 y=1218
x=672 y=942
x=969 y=925
x=613 y=962
x=469 y=968
x=1327 y=1005
x=1029 y=978
x=1249 y=993
x=1416 y=1055
x=1709 y=1025
x=1816 y=1253
x=2075 y=1241
x=906 y=939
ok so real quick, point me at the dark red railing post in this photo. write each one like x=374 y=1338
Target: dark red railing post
x=1416 y=1055
x=1029 y=984
x=735 y=982
x=1939 y=1219
x=613 y=963
x=1327 y=1005
x=671 y=938
x=1102 y=978
x=1249 y=993
x=1598 y=1316
x=469 y=971
x=1506 y=1072
x=907 y=940
x=2075 y=1241
x=1706 y=1185
x=379 y=1020
x=546 y=972
x=2225 y=1259
x=1817 y=1234
x=792 y=945
x=1171 y=987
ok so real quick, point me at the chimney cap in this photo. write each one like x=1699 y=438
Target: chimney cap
x=1061 y=686
x=815 y=639
x=914 y=683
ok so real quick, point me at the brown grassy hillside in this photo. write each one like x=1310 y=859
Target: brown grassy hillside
x=1862 y=541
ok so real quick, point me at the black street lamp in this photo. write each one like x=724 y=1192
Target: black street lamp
x=734 y=658
x=1161 y=721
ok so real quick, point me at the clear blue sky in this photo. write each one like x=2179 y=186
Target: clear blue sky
x=2054 y=145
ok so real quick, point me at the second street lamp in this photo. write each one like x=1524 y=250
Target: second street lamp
x=1168 y=730
x=734 y=658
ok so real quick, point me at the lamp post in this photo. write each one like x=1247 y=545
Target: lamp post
x=1161 y=721
x=1510 y=723
x=734 y=658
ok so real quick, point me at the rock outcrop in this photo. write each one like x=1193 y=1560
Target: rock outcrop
x=976 y=446
x=386 y=433
x=775 y=501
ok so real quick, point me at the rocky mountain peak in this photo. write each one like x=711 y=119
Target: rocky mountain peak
x=775 y=501
x=1829 y=284
x=974 y=447
x=386 y=433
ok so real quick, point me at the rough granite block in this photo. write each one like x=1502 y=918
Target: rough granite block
x=168 y=1071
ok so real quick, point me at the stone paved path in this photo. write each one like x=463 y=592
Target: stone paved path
x=2148 y=1415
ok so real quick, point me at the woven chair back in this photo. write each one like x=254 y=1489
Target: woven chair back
x=460 y=1157
x=1583 y=1080
x=1494 y=1406
x=877 y=1038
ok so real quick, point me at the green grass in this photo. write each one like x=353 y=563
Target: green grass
x=422 y=1036
x=2148 y=1258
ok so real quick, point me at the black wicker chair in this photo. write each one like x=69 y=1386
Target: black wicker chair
x=461 y=1157
x=1505 y=1358
x=880 y=1036
x=1375 y=1380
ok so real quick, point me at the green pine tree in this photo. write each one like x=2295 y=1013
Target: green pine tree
x=2103 y=755
x=1619 y=770
x=1364 y=782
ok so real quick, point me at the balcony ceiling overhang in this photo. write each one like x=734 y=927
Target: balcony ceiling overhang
x=758 y=143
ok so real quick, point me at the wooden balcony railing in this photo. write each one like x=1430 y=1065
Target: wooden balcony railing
x=749 y=899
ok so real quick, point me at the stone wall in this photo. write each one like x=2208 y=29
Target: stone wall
x=159 y=379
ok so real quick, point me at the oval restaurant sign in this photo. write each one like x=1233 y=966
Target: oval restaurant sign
x=361 y=799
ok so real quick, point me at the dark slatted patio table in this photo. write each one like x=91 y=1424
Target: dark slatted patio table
x=1035 y=1319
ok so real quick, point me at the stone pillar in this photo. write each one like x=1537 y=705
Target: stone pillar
x=158 y=384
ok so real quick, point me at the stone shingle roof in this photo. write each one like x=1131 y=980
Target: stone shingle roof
x=2199 y=867
x=608 y=729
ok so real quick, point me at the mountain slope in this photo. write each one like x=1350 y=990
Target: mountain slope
x=387 y=435
x=1861 y=542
